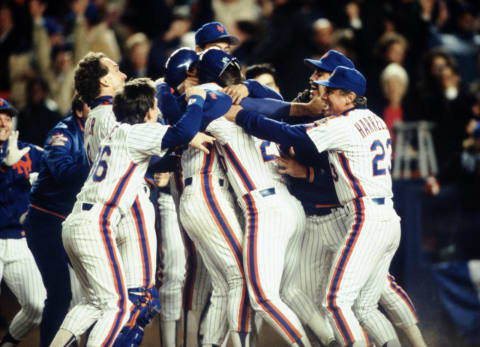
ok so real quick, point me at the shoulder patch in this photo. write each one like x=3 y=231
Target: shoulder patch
x=58 y=139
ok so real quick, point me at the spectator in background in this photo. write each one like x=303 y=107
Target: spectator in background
x=230 y=12
x=135 y=63
x=394 y=82
x=54 y=59
x=263 y=74
x=322 y=36
x=214 y=34
x=9 y=42
x=40 y=114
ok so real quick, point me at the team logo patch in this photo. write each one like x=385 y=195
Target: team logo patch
x=24 y=166
x=58 y=139
x=220 y=28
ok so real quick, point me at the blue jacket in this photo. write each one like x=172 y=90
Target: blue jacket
x=64 y=168
x=15 y=189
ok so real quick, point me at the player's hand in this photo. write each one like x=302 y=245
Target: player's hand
x=231 y=114
x=195 y=91
x=289 y=166
x=316 y=106
x=200 y=140
x=13 y=153
x=161 y=178
x=237 y=92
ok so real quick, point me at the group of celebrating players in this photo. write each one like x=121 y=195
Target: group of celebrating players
x=277 y=212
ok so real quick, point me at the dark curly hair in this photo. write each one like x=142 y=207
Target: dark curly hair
x=137 y=97
x=87 y=76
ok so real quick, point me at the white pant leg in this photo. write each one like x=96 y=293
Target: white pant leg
x=207 y=213
x=23 y=278
x=137 y=243
x=89 y=240
x=173 y=259
x=269 y=228
x=369 y=244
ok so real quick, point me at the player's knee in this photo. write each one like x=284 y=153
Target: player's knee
x=33 y=310
x=363 y=311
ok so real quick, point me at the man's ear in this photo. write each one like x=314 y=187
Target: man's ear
x=148 y=116
x=104 y=81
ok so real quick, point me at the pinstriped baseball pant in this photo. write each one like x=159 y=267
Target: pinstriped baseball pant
x=20 y=272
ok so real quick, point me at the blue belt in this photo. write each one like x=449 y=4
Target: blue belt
x=86 y=206
x=189 y=180
x=378 y=201
x=267 y=192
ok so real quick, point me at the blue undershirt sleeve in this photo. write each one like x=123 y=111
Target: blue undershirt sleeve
x=272 y=108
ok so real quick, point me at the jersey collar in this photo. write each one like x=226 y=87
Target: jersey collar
x=101 y=100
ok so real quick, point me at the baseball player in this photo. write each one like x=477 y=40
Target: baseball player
x=214 y=35
x=197 y=284
x=17 y=267
x=360 y=169
x=63 y=171
x=273 y=217
x=97 y=78
x=312 y=184
x=89 y=233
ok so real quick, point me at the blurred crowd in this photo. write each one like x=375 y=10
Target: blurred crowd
x=420 y=57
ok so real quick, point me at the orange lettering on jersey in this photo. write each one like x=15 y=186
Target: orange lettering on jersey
x=24 y=166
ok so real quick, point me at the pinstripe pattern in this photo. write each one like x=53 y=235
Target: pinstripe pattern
x=89 y=235
x=398 y=306
x=173 y=258
x=21 y=275
x=264 y=249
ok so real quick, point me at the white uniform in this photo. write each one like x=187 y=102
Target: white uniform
x=20 y=272
x=359 y=151
x=136 y=238
x=207 y=213
x=90 y=231
x=273 y=219
x=198 y=285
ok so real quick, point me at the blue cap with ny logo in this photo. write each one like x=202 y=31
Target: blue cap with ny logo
x=329 y=61
x=214 y=31
x=6 y=108
x=346 y=78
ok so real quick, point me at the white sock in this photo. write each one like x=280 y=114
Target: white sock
x=414 y=336
x=169 y=333
x=321 y=328
x=63 y=338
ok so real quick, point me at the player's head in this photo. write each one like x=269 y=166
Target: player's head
x=7 y=112
x=97 y=75
x=214 y=34
x=323 y=67
x=263 y=74
x=179 y=66
x=217 y=66
x=80 y=108
x=136 y=102
x=345 y=89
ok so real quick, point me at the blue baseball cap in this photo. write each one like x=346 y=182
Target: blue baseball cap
x=346 y=78
x=178 y=64
x=212 y=63
x=6 y=108
x=329 y=61
x=214 y=31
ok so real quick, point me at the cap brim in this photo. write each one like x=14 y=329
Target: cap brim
x=233 y=40
x=327 y=83
x=12 y=112
x=316 y=64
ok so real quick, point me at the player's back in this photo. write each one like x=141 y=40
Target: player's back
x=117 y=174
x=249 y=161
x=361 y=157
x=99 y=124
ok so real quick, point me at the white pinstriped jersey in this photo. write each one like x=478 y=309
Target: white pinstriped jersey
x=117 y=174
x=100 y=122
x=249 y=161
x=359 y=150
